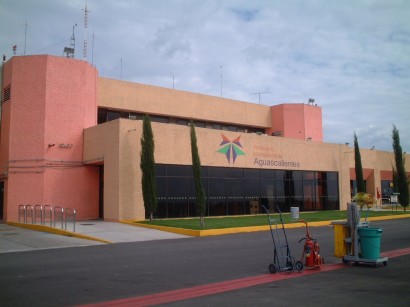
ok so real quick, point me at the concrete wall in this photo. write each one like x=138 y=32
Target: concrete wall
x=148 y=99
x=297 y=121
x=52 y=100
x=117 y=143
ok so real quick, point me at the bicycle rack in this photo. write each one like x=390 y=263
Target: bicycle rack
x=38 y=208
x=29 y=208
x=59 y=215
x=22 y=213
x=69 y=213
x=46 y=214
x=49 y=210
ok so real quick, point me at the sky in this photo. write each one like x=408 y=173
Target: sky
x=352 y=57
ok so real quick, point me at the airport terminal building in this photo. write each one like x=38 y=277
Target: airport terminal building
x=71 y=138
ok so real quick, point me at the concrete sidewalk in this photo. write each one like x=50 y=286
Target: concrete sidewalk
x=25 y=237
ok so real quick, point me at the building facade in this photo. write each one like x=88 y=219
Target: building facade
x=70 y=138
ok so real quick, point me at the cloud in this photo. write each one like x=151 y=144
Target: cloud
x=352 y=57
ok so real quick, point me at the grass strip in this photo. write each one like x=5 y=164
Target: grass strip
x=261 y=219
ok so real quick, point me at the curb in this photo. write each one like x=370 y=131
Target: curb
x=57 y=231
x=190 y=232
x=224 y=231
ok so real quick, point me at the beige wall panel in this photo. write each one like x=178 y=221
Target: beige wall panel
x=101 y=143
x=124 y=95
x=118 y=143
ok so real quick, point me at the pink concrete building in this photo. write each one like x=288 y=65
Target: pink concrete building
x=71 y=139
x=47 y=103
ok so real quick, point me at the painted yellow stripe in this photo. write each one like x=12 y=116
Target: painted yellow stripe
x=223 y=231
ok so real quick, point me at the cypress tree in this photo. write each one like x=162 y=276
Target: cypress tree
x=358 y=167
x=147 y=165
x=196 y=167
x=400 y=174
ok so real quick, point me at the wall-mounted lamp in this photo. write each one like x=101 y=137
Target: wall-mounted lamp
x=51 y=145
x=132 y=130
x=309 y=139
x=347 y=143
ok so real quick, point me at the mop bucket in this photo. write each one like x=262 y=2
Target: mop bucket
x=370 y=242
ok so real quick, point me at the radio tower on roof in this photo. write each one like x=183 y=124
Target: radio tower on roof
x=86 y=11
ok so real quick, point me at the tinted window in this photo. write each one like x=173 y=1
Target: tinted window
x=178 y=170
x=216 y=172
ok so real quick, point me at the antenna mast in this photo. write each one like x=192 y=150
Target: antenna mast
x=86 y=11
x=72 y=45
x=259 y=94
x=25 y=37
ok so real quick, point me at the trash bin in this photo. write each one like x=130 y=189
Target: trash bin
x=294 y=212
x=341 y=232
x=370 y=242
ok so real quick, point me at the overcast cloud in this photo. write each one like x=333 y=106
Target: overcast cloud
x=352 y=57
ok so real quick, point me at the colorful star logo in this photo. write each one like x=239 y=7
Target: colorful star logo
x=231 y=148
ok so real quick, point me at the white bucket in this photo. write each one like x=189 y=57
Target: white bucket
x=294 y=212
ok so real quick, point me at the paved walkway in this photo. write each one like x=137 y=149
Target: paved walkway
x=14 y=238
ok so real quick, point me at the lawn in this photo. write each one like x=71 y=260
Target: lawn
x=260 y=220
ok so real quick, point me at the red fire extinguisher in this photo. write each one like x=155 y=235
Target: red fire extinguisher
x=311 y=250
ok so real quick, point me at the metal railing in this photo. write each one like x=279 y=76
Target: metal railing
x=38 y=212
x=28 y=209
x=42 y=214
x=69 y=215
x=59 y=216
x=47 y=212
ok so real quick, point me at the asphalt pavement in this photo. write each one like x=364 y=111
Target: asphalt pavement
x=173 y=270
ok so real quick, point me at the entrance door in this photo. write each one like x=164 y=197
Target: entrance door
x=309 y=195
x=101 y=193
x=1 y=199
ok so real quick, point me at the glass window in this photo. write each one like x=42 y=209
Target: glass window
x=332 y=188
x=177 y=187
x=251 y=188
x=232 y=128
x=267 y=173
x=251 y=173
x=216 y=188
x=178 y=170
x=102 y=116
x=267 y=187
x=230 y=190
x=296 y=175
x=332 y=176
x=182 y=122
x=280 y=175
x=111 y=115
x=161 y=187
x=216 y=172
x=204 y=171
x=308 y=175
x=159 y=119
x=234 y=172
x=234 y=188
x=160 y=170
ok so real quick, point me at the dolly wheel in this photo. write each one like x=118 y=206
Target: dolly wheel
x=299 y=266
x=272 y=268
